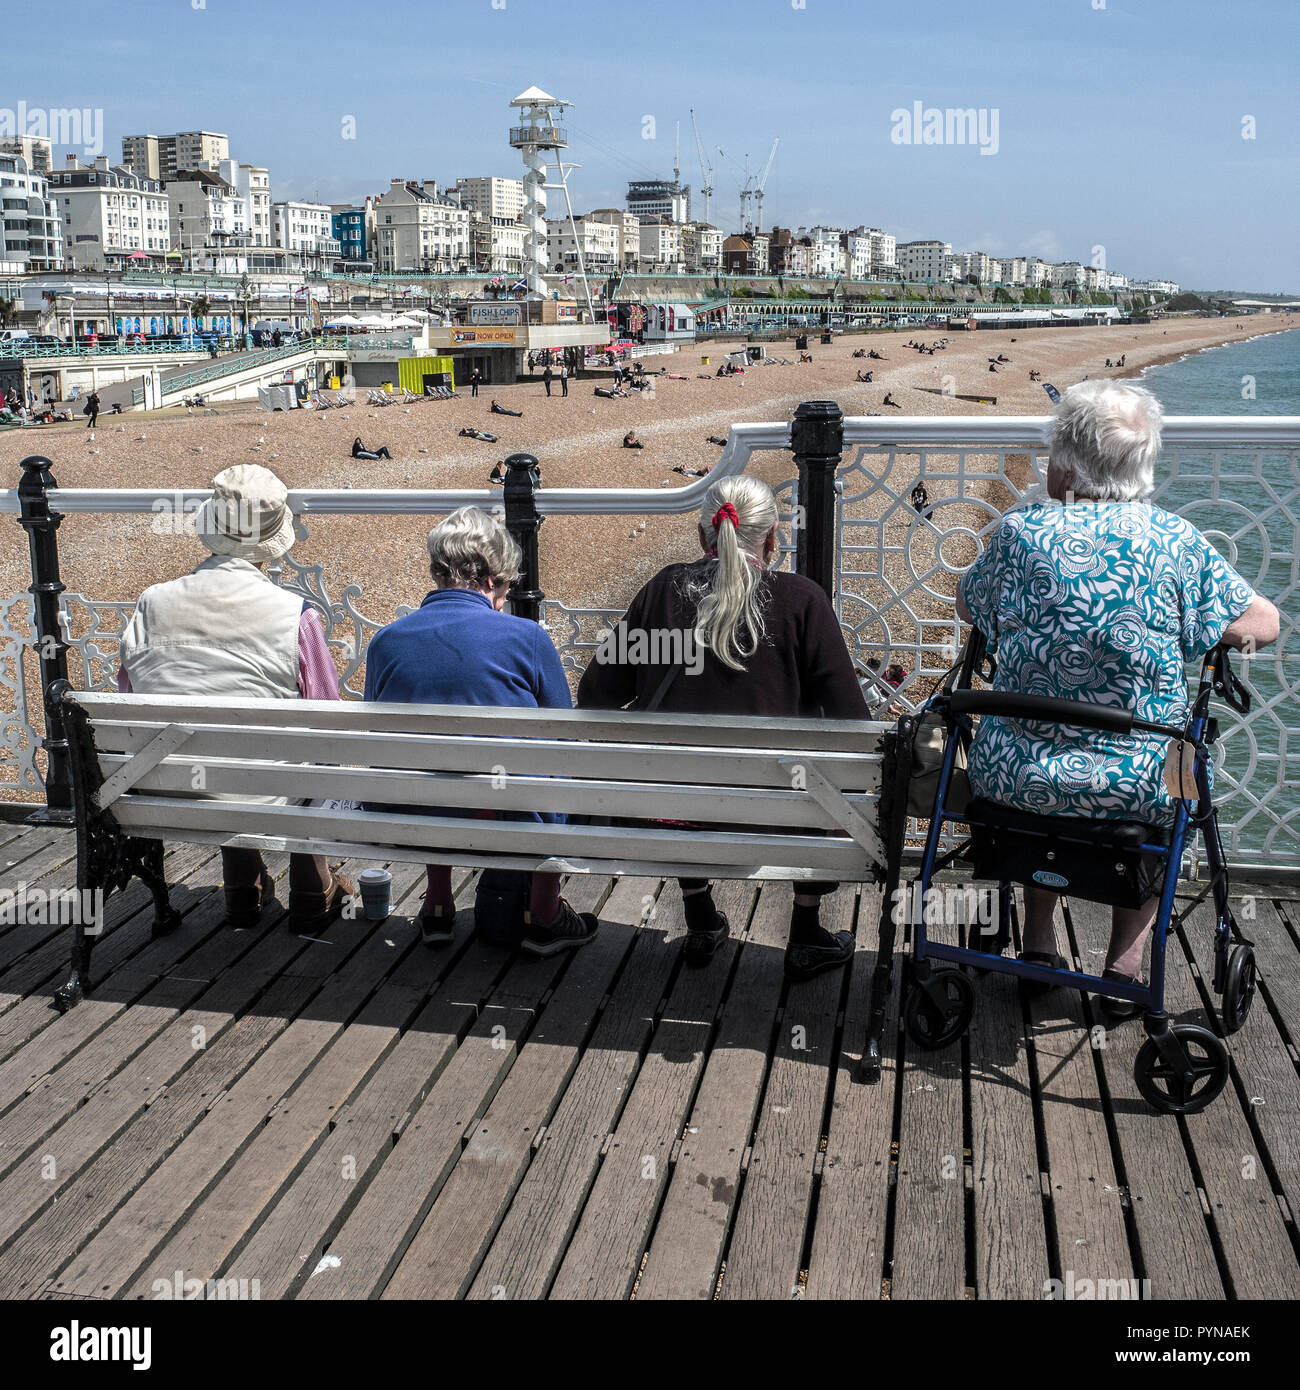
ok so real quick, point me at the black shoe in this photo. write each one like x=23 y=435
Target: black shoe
x=816 y=951
x=700 y=947
x=1035 y=988
x=435 y=925
x=244 y=906
x=1119 y=1010
x=569 y=929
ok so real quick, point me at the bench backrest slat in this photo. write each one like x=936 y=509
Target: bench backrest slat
x=593 y=796
x=701 y=766
x=622 y=726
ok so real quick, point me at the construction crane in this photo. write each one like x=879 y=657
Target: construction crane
x=706 y=172
x=762 y=182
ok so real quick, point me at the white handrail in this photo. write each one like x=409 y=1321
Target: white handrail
x=968 y=432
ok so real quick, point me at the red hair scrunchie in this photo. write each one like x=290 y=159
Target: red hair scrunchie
x=727 y=512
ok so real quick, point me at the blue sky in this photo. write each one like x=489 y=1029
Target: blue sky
x=1119 y=125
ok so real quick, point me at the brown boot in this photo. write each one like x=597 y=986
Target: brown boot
x=310 y=912
x=244 y=906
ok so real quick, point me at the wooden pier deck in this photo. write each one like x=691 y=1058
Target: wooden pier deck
x=358 y=1117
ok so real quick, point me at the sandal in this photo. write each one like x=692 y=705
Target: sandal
x=1034 y=988
x=1119 y=1010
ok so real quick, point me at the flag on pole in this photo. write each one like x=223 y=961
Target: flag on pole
x=520 y=285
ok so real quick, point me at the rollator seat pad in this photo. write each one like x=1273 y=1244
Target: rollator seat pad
x=1097 y=860
x=1122 y=834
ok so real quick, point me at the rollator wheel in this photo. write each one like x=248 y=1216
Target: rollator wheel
x=926 y=1025
x=1239 y=984
x=1183 y=1093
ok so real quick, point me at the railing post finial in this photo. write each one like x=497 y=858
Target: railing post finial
x=523 y=522
x=817 y=438
x=41 y=523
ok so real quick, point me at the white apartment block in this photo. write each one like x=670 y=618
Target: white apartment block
x=35 y=149
x=630 y=232
x=31 y=227
x=924 y=260
x=829 y=256
x=205 y=215
x=1168 y=287
x=975 y=263
x=166 y=156
x=306 y=232
x=418 y=229
x=112 y=218
x=499 y=199
x=661 y=244
x=1037 y=272
x=252 y=187
x=599 y=243
x=701 y=246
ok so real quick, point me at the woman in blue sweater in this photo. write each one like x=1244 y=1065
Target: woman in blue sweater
x=459 y=648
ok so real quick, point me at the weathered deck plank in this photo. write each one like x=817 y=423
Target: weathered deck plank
x=766 y=1253
x=613 y=1230
x=329 y=1114
x=1177 y=1255
x=446 y=1251
x=368 y=1247
x=1086 y=1211
x=849 y=1236
x=686 y=1247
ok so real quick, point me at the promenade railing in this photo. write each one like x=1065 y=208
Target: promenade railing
x=852 y=519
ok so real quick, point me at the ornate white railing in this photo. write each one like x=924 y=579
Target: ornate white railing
x=896 y=570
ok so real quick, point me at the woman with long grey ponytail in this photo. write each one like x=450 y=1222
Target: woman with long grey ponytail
x=730 y=634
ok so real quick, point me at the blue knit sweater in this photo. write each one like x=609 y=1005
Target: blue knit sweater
x=456 y=649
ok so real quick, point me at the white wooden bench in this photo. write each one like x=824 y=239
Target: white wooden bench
x=792 y=799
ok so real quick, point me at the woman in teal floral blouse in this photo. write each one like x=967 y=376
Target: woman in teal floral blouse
x=1094 y=594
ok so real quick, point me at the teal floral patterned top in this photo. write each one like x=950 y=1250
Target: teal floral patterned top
x=1096 y=601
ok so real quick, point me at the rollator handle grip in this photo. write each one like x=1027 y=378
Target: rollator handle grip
x=1012 y=705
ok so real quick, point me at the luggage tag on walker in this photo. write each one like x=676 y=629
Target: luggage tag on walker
x=1180 y=769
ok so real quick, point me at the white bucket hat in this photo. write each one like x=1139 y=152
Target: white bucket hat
x=247 y=515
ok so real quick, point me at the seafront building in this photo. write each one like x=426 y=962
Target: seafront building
x=166 y=156
x=306 y=232
x=418 y=228
x=31 y=229
x=113 y=219
x=35 y=149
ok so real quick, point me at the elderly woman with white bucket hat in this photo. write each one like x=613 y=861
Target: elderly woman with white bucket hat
x=226 y=630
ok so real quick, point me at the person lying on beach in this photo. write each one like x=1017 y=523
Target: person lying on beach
x=860 y=352
x=767 y=642
x=359 y=451
x=479 y=434
x=718 y=440
x=877 y=356
x=501 y=410
x=630 y=441
x=690 y=472
x=607 y=394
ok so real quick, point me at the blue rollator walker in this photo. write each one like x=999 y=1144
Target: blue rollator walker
x=1182 y=1067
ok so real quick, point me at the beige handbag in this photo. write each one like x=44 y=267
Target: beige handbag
x=927 y=760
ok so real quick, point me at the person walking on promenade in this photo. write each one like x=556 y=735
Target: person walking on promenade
x=475 y=380
x=92 y=409
x=547 y=377
x=564 y=379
